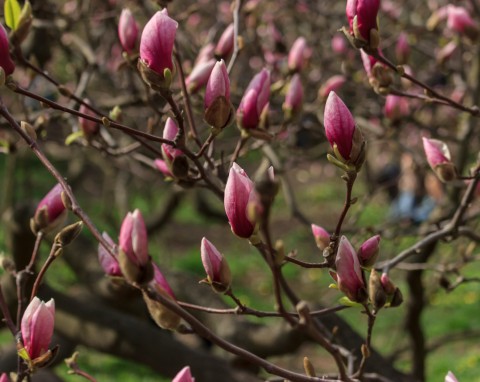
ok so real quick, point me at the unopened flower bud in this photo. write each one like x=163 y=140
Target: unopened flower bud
x=24 y=23
x=90 y=128
x=68 y=234
x=109 y=263
x=379 y=76
x=225 y=44
x=396 y=107
x=368 y=252
x=254 y=101
x=376 y=293
x=322 y=237
x=216 y=267
x=199 y=75
x=450 y=377
x=156 y=49
x=127 y=31
x=333 y=84
x=50 y=212
x=402 y=49
x=4 y=378
x=6 y=62
x=162 y=166
x=298 y=55
x=294 y=97
x=218 y=109
x=339 y=44
x=439 y=159
x=362 y=18
x=184 y=375
x=460 y=21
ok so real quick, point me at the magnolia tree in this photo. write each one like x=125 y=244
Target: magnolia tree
x=204 y=95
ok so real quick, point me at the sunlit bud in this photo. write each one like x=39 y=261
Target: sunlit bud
x=439 y=159
x=368 y=252
x=133 y=238
x=37 y=327
x=199 y=75
x=185 y=375
x=218 y=109
x=90 y=128
x=396 y=107
x=156 y=49
x=294 y=97
x=339 y=44
x=162 y=166
x=298 y=55
x=50 y=212
x=402 y=49
x=163 y=317
x=322 y=237
x=238 y=192
x=349 y=273
x=333 y=84
x=362 y=17
x=460 y=21
x=6 y=62
x=170 y=132
x=254 y=101
x=344 y=137
x=376 y=293
x=108 y=263
x=216 y=267
x=127 y=31
x=450 y=377
x=226 y=43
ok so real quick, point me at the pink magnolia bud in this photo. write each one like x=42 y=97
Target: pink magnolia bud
x=322 y=237
x=238 y=192
x=450 y=377
x=199 y=75
x=333 y=84
x=368 y=252
x=362 y=17
x=439 y=159
x=133 y=238
x=226 y=43
x=396 y=107
x=127 y=31
x=446 y=52
x=402 y=48
x=162 y=166
x=387 y=284
x=294 y=97
x=342 y=133
x=156 y=49
x=339 y=44
x=184 y=375
x=170 y=132
x=205 y=54
x=460 y=21
x=50 y=212
x=378 y=74
x=109 y=263
x=4 y=378
x=218 y=84
x=298 y=55
x=6 y=62
x=161 y=282
x=37 y=327
x=254 y=101
x=216 y=267
x=90 y=128
x=349 y=273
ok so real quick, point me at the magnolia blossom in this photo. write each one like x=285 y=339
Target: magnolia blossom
x=216 y=267
x=6 y=62
x=184 y=375
x=133 y=238
x=322 y=237
x=402 y=48
x=362 y=17
x=4 y=378
x=349 y=274
x=254 y=101
x=199 y=75
x=439 y=159
x=218 y=84
x=37 y=327
x=450 y=377
x=226 y=43
x=170 y=132
x=109 y=263
x=162 y=166
x=368 y=251
x=238 y=192
x=459 y=20
x=89 y=127
x=298 y=55
x=50 y=211
x=333 y=84
x=161 y=282
x=396 y=107
x=127 y=30
x=294 y=97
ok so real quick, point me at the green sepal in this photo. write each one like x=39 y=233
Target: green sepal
x=347 y=302
x=73 y=137
x=12 y=12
